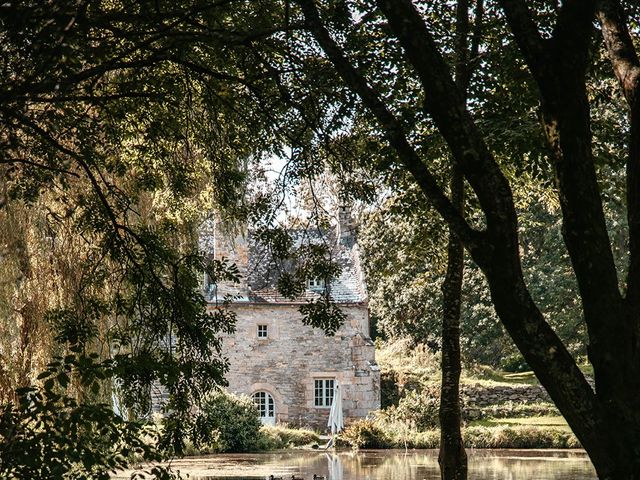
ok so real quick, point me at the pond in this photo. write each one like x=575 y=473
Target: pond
x=389 y=464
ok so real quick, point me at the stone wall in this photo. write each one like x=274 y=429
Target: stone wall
x=287 y=362
x=481 y=396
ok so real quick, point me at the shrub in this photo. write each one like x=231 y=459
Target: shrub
x=366 y=433
x=416 y=408
x=389 y=389
x=379 y=434
x=273 y=438
x=514 y=363
x=229 y=423
x=429 y=439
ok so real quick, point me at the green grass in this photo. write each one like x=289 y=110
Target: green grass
x=485 y=375
x=556 y=422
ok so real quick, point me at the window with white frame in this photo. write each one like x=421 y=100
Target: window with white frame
x=323 y=392
x=264 y=404
x=263 y=331
x=316 y=283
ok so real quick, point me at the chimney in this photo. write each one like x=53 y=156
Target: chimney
x=222 y=240
x=346 y=226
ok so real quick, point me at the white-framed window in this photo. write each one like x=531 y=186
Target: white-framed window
x=263 y=331
x=266 y=407
x=323 y=392
x=315 y=283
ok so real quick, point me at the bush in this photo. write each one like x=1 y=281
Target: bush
x=416 y=408
x=229 y=423
x=514 y=363
x=389 y=389
x=378 y=434
x=365 y=433
x=273 y=438
x=429 y=439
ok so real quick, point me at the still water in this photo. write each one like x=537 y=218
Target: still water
x=389 y=464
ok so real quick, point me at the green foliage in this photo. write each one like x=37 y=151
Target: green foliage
x=106 y=175
x=269 y=438
x=514 y=363
x=49 y=433
x=403 y=253
x=370 y=434
x=419 y=409
x=412 y=361
x=229 y=423
x=519 y=437
x=324 y=314
x=518 y=410
x=280 y=437
x=365 y=433
x=389 y=389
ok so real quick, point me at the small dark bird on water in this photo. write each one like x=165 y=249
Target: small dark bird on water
x=271 y=477
x=293 y=477
x=318 y=477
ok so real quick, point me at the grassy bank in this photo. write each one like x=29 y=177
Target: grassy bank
x=370 y=434
x=410 y=400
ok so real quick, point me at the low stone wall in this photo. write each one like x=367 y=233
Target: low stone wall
x=482 y=396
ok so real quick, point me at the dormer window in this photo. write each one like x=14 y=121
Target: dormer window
x=262 y=331
x=316 y=283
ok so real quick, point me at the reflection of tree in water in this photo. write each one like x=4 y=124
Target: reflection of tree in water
x=385 y=465
x=398 y=465
x=540 y=468
x=484 y=465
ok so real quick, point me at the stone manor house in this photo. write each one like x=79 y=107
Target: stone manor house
x=290 y=369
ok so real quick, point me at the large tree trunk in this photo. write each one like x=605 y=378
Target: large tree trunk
x=559 y=67
x=452 y=457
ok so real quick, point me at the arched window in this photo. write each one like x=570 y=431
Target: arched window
x=266 y=407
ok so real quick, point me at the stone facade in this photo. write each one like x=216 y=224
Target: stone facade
x=293 y=356
x=286 y=359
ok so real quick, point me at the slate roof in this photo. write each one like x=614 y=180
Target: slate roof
x=348 y=287
x=260 y=271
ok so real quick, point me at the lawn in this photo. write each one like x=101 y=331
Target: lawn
x=556 y=422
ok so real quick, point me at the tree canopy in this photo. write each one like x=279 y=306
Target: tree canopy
x=119 y=117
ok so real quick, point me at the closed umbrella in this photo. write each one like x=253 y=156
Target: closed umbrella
x=336 y=420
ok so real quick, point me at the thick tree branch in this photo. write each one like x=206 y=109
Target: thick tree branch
x=527 y=36
x=559 y=67
x=31 y=163
x=624 y=59
x=391 y=128
x=544 y=351
x=445 y=103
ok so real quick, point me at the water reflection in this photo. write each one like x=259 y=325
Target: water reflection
x=390 y=464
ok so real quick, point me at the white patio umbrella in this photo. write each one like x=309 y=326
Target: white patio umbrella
x=336 y=420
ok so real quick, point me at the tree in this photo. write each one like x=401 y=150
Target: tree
x=452 y=457
x=104 y=181
x=605 y=421
x=348 y=73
